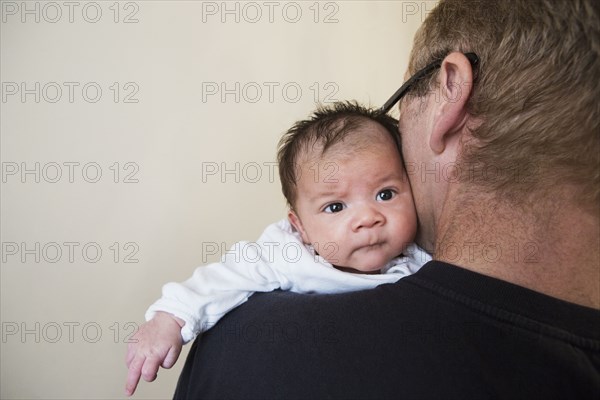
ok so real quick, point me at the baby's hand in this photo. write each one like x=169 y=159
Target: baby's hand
x=156 y=343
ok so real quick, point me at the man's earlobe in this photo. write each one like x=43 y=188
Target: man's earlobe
x=296 y=223
x=455 y=81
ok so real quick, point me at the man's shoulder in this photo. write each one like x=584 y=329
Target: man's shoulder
x=429 y=335
x=289 y=345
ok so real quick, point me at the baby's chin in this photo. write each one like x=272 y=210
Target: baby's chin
x=367 y=264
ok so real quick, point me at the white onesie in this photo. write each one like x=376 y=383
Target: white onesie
x=278 y=260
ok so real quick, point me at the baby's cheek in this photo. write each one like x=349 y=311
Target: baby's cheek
x=405 y=235
x=330 y=252
x=327 y=241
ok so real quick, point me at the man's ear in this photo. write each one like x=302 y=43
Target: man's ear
x=296 y=223
x=456 y=80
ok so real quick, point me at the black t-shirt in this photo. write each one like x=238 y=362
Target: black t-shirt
x=442 y=333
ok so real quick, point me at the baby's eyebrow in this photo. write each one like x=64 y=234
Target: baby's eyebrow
x=392 y=175
x=323 y=194
x=329 y=191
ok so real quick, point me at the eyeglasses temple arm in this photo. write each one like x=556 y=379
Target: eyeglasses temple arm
x=472 y=57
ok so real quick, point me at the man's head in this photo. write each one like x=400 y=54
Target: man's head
x=343 y=177
x=522 y=123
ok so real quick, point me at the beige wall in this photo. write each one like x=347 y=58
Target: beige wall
x=166 y=204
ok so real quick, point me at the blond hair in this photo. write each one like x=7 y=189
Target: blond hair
x=537 y=89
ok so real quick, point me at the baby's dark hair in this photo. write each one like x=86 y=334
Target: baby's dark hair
x=327 y=126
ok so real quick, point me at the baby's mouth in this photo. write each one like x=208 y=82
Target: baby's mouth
x=376 y=245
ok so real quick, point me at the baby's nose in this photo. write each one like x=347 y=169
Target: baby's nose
x=368 y=217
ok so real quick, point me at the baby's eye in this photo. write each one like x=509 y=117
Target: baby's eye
x=334 y=208
x=385 y=195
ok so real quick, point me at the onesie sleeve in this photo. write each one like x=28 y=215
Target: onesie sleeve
x=217 y=288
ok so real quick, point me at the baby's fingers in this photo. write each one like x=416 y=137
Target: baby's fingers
x=131 y=350
x=133 y=375
x=171 y=357
x=150 y=369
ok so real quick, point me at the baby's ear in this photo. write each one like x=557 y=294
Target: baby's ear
x=296 y=223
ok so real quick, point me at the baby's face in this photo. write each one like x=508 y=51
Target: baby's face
x=356 y=207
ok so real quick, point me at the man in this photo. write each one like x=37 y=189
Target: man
x=503 y=150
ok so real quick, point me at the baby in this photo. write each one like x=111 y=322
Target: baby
x=350 y=226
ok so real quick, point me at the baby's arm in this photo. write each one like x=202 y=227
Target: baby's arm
x=278 y=260
x=188 y=308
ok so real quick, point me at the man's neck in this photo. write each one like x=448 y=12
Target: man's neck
x=552 y=248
